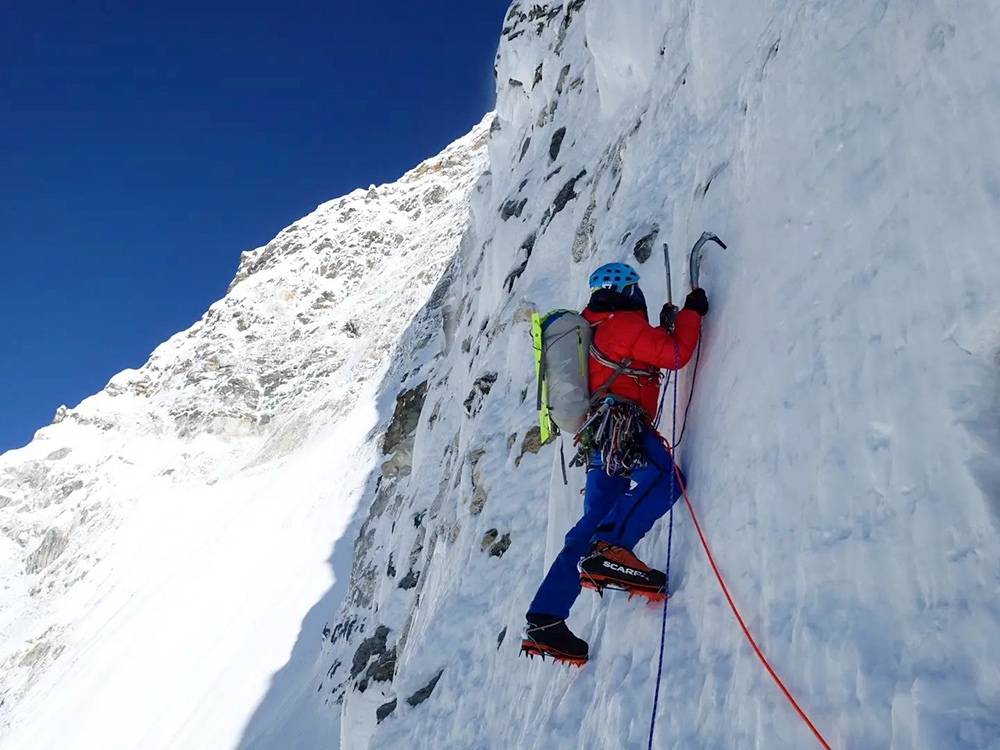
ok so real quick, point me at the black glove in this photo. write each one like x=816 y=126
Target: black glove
x=667 y=315
x=697 y=301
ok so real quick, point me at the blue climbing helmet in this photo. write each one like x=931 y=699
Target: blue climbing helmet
x=614 y=276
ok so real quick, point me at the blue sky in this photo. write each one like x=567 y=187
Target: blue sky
x=144 y=146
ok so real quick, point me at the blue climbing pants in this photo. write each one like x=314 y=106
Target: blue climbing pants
x=618 y=509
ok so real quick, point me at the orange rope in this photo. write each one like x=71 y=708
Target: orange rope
x=732 y=605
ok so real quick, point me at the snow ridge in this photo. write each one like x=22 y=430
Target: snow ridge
x=215 y=479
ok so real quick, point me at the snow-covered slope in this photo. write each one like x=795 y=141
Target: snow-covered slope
x=842 y=444
x=163 y=542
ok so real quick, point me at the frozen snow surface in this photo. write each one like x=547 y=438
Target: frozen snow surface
x=176 y=563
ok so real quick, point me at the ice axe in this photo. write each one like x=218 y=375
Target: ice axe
x=696 y=254
x=668 y=318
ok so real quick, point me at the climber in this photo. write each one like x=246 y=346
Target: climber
x=630 y=475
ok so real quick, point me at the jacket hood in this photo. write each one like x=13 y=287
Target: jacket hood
x=608 y=300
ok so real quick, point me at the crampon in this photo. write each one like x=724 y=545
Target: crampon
x=531 y=649
x=599 y=583
x=548 y=635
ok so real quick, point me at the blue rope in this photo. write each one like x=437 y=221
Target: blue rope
x=670 y=540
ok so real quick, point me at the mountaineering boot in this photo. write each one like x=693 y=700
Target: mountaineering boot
x=610 y=566
x=547 y=635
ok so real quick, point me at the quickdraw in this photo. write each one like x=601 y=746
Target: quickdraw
x=611 y=435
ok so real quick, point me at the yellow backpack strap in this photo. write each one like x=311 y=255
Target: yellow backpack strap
x=541 y=400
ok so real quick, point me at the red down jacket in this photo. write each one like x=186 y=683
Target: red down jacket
x=625 y=334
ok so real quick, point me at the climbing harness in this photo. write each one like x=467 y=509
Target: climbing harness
x=612 y=428
x=647 y=376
